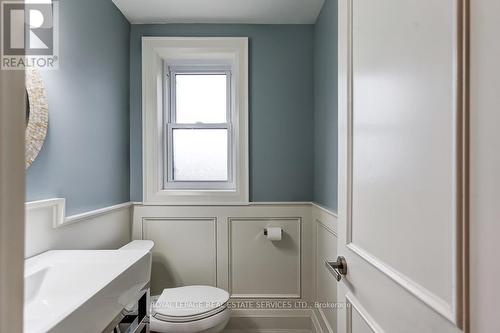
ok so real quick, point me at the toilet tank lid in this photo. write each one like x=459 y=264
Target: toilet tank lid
x=189 y=301
x=146 y=245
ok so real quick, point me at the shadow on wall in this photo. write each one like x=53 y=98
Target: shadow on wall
x=286 y=243
x=164 y=275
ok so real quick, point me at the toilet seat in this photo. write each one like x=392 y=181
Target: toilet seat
x=171 y=319
x=213 y=324
x=189 y=309
x=189 y=303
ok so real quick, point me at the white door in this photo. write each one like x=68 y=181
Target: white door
x=402 y=161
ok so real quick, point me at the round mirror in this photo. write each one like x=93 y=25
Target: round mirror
x=37 y=115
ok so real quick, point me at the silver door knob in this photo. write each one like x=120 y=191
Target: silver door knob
x=337 y=268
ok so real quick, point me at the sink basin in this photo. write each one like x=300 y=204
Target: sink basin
x=82 y=291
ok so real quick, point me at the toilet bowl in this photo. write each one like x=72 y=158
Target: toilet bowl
x=190 y=309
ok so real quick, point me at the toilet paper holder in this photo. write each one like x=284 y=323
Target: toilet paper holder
x=265 y=231
x=273 y=236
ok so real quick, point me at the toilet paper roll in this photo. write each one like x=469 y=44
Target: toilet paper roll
x=274 y=234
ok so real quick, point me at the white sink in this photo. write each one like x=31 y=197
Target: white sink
x=81 y=291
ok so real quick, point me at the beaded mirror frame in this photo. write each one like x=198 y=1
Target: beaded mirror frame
x=37 y=115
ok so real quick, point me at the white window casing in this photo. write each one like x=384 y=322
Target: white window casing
x=161 y=58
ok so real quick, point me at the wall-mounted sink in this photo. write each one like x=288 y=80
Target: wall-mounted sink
x=82 y=291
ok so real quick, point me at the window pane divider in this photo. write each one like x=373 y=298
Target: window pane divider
x=199 y=126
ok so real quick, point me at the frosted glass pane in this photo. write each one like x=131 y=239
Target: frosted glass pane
x=200 y=154
x=201 y=98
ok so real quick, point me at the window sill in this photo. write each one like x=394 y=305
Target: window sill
x=197 y=197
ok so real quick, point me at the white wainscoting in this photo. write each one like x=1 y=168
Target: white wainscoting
x=245 y=262
x=325 y=244
x=259 y=268
x=222 y=246
x=225 y=246
x=185 y=251
x=273 y=321
x=47 y=227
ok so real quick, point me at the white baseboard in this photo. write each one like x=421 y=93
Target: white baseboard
x=267 y=331
x=273 y=321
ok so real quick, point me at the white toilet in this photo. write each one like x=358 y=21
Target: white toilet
x=190 y=309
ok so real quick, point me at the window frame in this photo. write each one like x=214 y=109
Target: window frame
x=182 y=51
x=170 y=115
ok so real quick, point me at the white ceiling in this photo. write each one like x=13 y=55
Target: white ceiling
x=221 y=11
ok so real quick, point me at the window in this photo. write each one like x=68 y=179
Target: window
x=199 y=113
x=195 y=120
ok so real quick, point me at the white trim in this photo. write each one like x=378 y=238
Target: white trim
x=324 y=209
x=326 y=227
x=281 y=203
x=262 y=215
x=299 y=293
x=325 y=321
x=57 y=207
x=213 y=220
x=280 y=319
x=60 y=218
x=352 y=303
x=324 y=222
x=433 y=301
x=251 y=203
x=171 y=70
x=58 y=210
x=266 y=296
x=96 y=213
x=316 y=324
x=157 y=50
x=271 y=313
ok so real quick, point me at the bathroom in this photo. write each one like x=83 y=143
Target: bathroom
x=303 y=166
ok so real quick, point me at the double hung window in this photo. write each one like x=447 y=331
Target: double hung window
x=195 y=120
x=199 y=138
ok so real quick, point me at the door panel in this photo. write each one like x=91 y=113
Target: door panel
x=358 y=323
x=402 y=198
x=403 y=138
x=358 y=320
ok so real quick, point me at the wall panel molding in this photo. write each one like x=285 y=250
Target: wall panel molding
x=274 y=321
x=325 y=286
x=185 y=251
x=245 y=223
x=276 y=250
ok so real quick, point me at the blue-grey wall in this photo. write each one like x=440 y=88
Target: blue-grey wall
x=281 y=105
x=325 y=111
x=85 y=158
